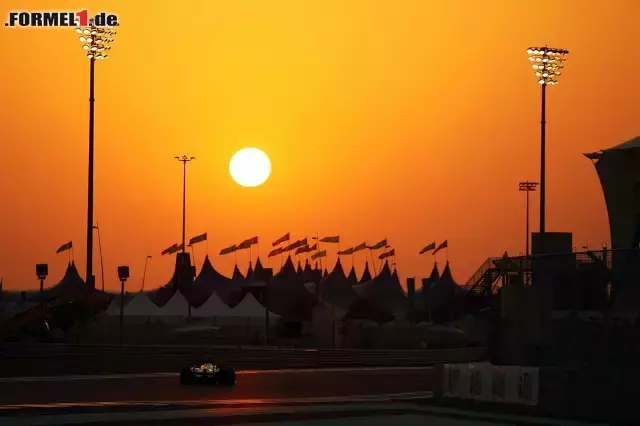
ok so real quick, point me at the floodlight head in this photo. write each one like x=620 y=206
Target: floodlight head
x=96 y=40
x=547 y=63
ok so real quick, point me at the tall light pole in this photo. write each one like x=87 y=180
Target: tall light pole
x=528 y=187
x=95 y=41
x=547 y=63
x=97 y=228
x=184 y=159
x=144 y=273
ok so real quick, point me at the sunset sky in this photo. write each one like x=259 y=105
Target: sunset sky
x=411 y=120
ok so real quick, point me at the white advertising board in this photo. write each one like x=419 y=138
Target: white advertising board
x=486 y=382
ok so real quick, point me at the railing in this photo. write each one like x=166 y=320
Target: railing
x=477 y=276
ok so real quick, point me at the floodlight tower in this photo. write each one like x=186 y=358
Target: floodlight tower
x=96 y=42
x=527 y=187
x=547 y=63
x=184 y=160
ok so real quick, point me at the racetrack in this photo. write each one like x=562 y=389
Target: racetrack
x=252 y=387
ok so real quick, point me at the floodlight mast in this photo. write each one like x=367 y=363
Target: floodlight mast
x=96 y=41
x=547 y=63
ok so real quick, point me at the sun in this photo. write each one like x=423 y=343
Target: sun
x=250 y=167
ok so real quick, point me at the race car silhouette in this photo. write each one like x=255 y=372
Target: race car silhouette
x=207 y=372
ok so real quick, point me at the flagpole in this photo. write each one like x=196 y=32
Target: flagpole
x=193 y=253
x=318 y=250
x=373 y=261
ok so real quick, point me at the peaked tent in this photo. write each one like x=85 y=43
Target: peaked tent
x=162 y=295
x=213 y=307
x=366 y=275
x=176 y=306
x=352 y=277
x=71 y=285
x=287 y=295
x=228 y=290
x=141 y=305
x=384 y=290
x=335 y=289
x=249 y=307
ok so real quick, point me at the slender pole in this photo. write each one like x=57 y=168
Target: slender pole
x=543 y=159
x=41 y=288
x=101 y=259
x=121 y=311
x=184 y=204
x=89 y=270
x=144 y=272
x=527 y=225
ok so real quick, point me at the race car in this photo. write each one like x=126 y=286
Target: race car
x=207 y=372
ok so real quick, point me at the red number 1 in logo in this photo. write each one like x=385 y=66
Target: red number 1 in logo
x=83 y=15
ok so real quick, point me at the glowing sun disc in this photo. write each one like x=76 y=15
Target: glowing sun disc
x=250 y=167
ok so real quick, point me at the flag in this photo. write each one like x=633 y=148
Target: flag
x=306 y=249
x=359 y=247
x=170 y=250
x=247 y=243
x=322 y=253
x=198 y=239
x=380 y=244
x=65 y=247
x=175 y=248
x=442 y=245
x=334 y=239
x=346 y=251
x=429 y=247
x=386 y=254
x=228 y=250
x=295 y=245
x=282 y=239
x=275 y=252
x=303 y=249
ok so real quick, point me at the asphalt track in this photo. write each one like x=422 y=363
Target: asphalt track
x=252 y=387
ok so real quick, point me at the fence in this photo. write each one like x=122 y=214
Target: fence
x=57 y=359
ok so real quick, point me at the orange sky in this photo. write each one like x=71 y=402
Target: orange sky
x=413 y=120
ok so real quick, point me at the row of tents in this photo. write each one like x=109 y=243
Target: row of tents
x=293 y=293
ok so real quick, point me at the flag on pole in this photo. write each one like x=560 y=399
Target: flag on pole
x=306 y=249
x=427 y=248
x=175 y=248
x=295 y=245
x=345 y=252
x=282 y=239
x=198 y=239
x=228 y=250
x=170 y=250
x=334 y=240
x=380 y=244
x=65 y=247
x=275 y=252
x=386 y=254
x=442 y=245
x=315 y=256
x=359 y=247
x=247 y=243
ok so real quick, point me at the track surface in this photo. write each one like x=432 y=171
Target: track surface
x=251 y=387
